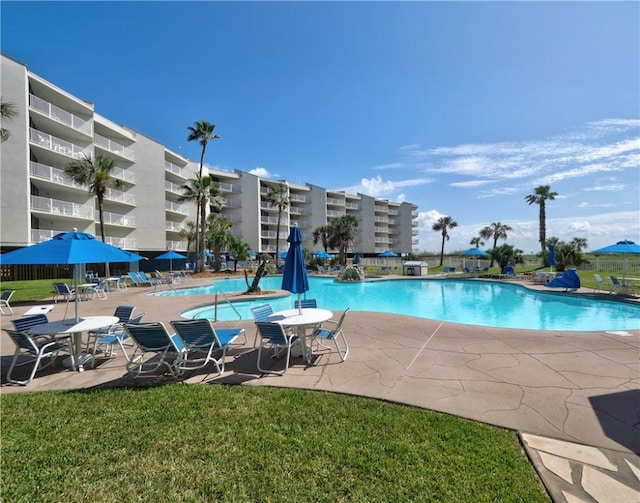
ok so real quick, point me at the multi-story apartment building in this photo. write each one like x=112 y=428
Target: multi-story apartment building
x=53 y=127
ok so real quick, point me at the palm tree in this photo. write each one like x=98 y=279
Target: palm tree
x=342 y=235
x=190 y=234
x=477 y=242
x=8 y=111
x=579 y=244
x=240 y=251
x=204 y=192
x=96 y=174
x=496 y=230
x=321 y=235
x=201 y=131
x=443 y=225
x=540 y=197
x=278 y=196
x=218 y=237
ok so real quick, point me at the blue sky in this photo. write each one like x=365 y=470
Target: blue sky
x=462 y=108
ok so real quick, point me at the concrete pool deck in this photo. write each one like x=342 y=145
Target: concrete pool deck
x=574 y=397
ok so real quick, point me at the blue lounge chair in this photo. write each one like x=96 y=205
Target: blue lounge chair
x=123 y=313
x=306 y=303
x=116 y=334
x=260 y=313
x=199 y=336
x=154 y=347
x=273 y=335
x=4 y=300
x=569 y=280
x=35 y=349
x=332 y=333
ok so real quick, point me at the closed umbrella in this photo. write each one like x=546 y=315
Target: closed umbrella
x=356 y=259
x=294 y=276
x=170 y=255
x=73 y=248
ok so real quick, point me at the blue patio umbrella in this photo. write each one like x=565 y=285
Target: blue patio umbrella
x=552 y=255
x=170 y=255
x=474 y=252
x=294 y=276
x=321 y=254
x=71 y=248
x=356 y=258
x=387 y=253
x=621 y=247
x=283 y=254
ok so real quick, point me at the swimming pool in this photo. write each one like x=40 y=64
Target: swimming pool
x=484 y=303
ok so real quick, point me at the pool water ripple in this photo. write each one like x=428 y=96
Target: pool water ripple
x=484 y=303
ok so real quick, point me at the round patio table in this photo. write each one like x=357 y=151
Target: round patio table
x=69 y=326
x=300 y=320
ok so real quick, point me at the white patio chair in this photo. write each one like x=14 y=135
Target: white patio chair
x=4 y=300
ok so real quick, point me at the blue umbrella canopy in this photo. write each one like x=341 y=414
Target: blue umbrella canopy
x=294 y=276
x=71 y=248
x=474 y=252
x=170 y=255
x=321 y=254
x=387 y=253
x=68 y=248
x=283 y=254
x=624 y=246
x=356 y=259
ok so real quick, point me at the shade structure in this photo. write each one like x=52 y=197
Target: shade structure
x=170 y=255
x=387 y=253
x=356 y=258
x=621 y=247
x=72 y=248
x=321 y=254
x=294 y=276
x=552 y=255
x=474 y=252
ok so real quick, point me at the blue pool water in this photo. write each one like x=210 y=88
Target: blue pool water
x=484 y=303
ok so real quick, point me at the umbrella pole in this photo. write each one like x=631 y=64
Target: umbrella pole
x=299 y=303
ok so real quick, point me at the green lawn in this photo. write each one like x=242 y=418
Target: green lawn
x=191 y=443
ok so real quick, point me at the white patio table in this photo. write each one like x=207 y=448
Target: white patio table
x=69 y=326
x=300 y=320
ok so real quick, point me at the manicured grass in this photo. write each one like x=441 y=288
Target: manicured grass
x=178 y=443
x=32 y=290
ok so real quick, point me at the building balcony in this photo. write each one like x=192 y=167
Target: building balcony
x=176 y=170
x=61 y=208
x=114 y=147
x=124 y=243
x=352 y=206
x=51 y=174
x=55 y=144
x=117 y=196
x=334 y=213
x=232 y=203
x=60 y=116
x=335 y=202
x=179 y=246
x=298 y=198
x=124 y=175
x=116 y=219
x=181 y=209
x=171 y=226
x=41 y=235
x=174 y=188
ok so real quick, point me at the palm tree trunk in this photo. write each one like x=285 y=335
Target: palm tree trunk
x=203 y=228
x=442 y=252
x=278 y=238
x=107 y=273
x=543 y=230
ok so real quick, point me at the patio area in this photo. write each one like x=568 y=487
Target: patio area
x=574 y=397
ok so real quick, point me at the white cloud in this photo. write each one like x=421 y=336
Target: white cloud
x=377 y=187
x=612 y=187
x=262 y=173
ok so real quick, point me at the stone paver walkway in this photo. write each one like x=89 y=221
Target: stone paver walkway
x=574 y=397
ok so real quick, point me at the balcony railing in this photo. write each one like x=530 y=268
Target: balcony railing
x=177 y=245
x=226 y=187
x=118 y=196
x=56 y=144
x=298 y=198
x=232 y=203
x=352 y=206
x=124 y=243
x=124 y=175
x=176 y=170
x=114 y=147
x=52 y=174
x=60 y=115
x=173 y=187
x=57 y=207
x=40 y=235
x=334 y=213
x=171 y=226
x=116 y=219
x=176 y=208
x=231 y=218
x=335 y=202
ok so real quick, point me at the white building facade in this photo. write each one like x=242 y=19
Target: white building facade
x=53 y=127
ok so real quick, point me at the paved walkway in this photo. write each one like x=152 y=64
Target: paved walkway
x=574 y=397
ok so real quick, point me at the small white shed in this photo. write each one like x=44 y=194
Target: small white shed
x=415 y=268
